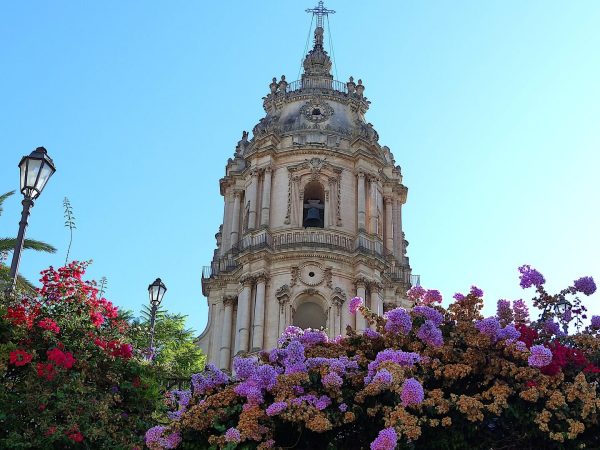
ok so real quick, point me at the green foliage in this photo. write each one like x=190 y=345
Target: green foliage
x=176 y=354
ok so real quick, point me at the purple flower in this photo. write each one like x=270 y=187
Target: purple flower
x=182 y=398
x=209 y=379
x=489 y=326
x=458 y=297
x=244 y=368
x=332 y=380
x=294 y=360
x=386 y=440
x=432 y=296
x=312 y=337
x=397 y=356
x=430 y=314
x=412 y=392
x=521 y=346
x=398 y=321
x=596 y=322
x=323 y=402
x=476 y=292
x=540 y=356
x=290 y=333
x=276 y=408
x=585 y=285
x=509 y=333
x=355 y=304
x=551 y=327
x=567 y=316
x=155 y=436
x=415 y=293
x=504 y=312
x=371 y=334
x=530 y=277
x=383 y=376
x=430 y=334
x=521 y=311
x=233 y=435
x=343 y=407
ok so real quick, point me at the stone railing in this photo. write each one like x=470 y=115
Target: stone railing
x=320 y=238
x=300 y=85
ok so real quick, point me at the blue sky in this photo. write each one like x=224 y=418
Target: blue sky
x=491 y=108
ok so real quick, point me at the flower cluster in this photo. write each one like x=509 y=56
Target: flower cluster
x=418 y=378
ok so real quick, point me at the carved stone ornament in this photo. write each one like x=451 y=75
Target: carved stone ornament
x=283 y=294
x=311 y=274
x=294 y=276
x=316 y=111
x=338 y=297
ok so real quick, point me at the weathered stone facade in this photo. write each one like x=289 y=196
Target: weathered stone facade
x=312 y=217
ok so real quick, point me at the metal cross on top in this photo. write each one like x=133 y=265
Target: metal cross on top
x=320 y=11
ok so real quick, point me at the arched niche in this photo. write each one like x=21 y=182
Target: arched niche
x=309 y=311
x=313 y=215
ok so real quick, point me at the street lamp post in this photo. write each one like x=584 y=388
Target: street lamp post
x=156 y=291
x=36 y=170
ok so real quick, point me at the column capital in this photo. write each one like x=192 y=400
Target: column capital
x=375 y=286
x=361 y=282
x=254 y=172
x=229 y=300
x=262 y=276
x=360 y=173
x=237 y=193
x=247 y=280
x=388 y=199
x=268 y=169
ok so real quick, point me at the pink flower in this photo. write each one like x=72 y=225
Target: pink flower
x=233 y=435
x=355 y=304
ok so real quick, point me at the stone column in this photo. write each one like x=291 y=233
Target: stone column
x=373 y=205
x=346 y=319
x=226 y=243
x=235 y=219
x=376 y=298
x=396 y=228
x=251 y=192
x=258 y=328
x=266 y=198
x=361 y=291
x=400 y=235
x=243 y=316
x=225 y=350
x=361 y=201
x=389 y=234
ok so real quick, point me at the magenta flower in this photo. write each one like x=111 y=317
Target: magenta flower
x=530 y=277
x=386 y=440
x=415 y=293
x=412 y=392
x=355 y=304
x=540 y=356
x=585 y=285
x=155 y=435
x=332 y=380
x=432 y=296
x=458 y=297
x=521 y=311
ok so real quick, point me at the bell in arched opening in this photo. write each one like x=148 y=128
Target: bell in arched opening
x=313 y=214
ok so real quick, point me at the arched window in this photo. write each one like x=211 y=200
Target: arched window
x=313 y=215
x=310 y=314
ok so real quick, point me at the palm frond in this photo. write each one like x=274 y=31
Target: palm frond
x=39 y=246
x=23 y=284
x=4 y=197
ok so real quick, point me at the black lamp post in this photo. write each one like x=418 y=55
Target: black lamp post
x=36 y=170
x=156 y=291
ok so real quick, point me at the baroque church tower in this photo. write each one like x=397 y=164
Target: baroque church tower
x=312 y=218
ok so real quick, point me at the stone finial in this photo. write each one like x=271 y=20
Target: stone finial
x=360 y=88
x=282 y=84
x=351 y=85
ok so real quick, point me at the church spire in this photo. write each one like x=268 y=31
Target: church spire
x=317 y=63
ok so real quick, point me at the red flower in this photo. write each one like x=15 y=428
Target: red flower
x=528 y=335
x=23 y=314
x=60 y=358
x=49 y=324
x=20 y=357
x=97 y=319
x=531 y=383
x=136 y=382
x=46 y=371
x=50 y=431
x=42 y=407
x=74 y=435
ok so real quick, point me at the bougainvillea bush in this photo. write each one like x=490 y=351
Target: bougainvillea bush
x=68 y=378
x=428 y=378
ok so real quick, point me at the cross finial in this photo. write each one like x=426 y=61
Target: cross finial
x=320 y=11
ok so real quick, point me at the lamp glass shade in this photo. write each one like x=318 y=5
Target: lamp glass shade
x=156 y=292
x=36 y=169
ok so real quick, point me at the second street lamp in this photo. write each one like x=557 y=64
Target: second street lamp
x=36 y=170
x=156 y=292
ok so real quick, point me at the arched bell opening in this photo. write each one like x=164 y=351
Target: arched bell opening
x=309 y=313
x=314 y=205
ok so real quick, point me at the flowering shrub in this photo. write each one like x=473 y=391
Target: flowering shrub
x=67 y=376
x=428 y=378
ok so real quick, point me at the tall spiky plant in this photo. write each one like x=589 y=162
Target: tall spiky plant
x=102 y=287
x=7 y=245
x=70 y=224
